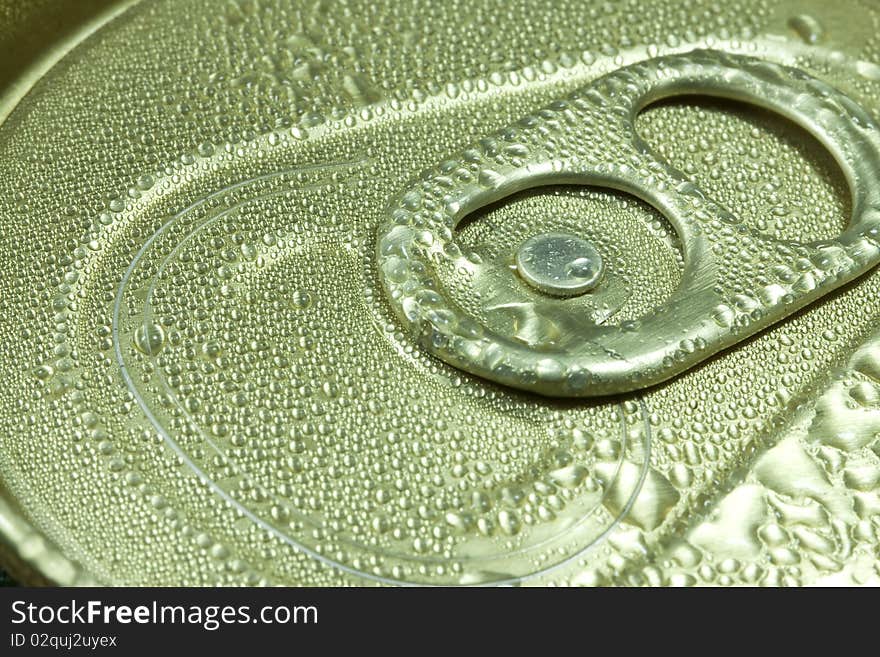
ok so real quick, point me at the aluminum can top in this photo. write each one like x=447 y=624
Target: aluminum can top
x=357 y=293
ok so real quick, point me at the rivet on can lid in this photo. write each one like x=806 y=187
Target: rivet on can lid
x=559 y=264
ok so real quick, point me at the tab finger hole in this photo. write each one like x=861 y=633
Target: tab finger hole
x=767 y=170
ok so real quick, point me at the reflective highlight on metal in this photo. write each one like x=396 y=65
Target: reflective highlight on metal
x=559 y=264
x=589 y=138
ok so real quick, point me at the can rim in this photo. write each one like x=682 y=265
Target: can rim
x=26 y=551
x=30 y=556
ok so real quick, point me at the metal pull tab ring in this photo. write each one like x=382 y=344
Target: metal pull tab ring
x=735 y=280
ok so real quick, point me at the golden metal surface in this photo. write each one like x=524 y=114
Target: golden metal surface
x=206 y=380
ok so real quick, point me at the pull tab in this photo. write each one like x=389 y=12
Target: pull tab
x=735 y=282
